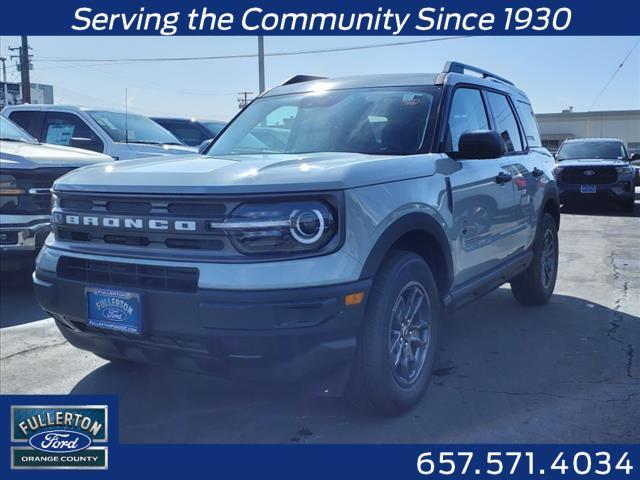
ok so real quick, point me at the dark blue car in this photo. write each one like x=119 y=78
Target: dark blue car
x=595 y=168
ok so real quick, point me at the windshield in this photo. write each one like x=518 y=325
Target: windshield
x=139 y=129
x=9 y=131
x=588 y=150
x=382 y=121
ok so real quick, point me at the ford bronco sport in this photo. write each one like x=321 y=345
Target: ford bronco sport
x=394 y=199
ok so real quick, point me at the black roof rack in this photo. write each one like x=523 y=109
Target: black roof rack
x=457 y=67
x=302 y=78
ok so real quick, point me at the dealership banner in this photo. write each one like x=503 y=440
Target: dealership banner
x=76 y=436
x=315 y=17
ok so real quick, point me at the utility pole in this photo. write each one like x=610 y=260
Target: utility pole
x=4 y=69
x=261 y=63
x=23 y=66
x=243 y=99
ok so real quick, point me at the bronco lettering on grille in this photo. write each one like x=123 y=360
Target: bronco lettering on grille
x=127 y=223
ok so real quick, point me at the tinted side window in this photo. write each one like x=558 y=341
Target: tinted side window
x=67 y=129
x=467 y=113
x=529 y=123
x=505 y=121
x=29 y=121
x=186 y=132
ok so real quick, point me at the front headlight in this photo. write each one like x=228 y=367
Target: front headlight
x=55 y=201
x=625 y=170
x=287 y=227
x=8 y=186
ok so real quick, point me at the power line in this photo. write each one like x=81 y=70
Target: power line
x=250 y=55
x=613 y=75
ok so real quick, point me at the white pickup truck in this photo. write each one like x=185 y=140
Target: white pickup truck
x=27 y=172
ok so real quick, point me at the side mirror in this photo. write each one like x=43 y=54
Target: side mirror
x=204 y=145
x=635 y=156
x=480 y=144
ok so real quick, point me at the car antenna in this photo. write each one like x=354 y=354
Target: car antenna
x=126 y=117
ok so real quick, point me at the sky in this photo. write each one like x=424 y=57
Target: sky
x=556 y=72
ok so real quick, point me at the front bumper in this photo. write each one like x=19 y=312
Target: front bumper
x=618 y=191
x=20 y=242
x=283 y=335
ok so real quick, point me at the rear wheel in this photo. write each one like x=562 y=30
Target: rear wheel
x=397 y=347
x=535 y=285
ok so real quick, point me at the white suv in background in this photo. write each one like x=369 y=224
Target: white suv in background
x=117 y=134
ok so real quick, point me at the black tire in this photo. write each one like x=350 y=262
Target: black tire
x=535 y=285
x=375 y=386
x=629 y=205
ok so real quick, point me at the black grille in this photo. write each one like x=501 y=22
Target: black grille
x=129 y=275
x=31 y=204
x=197 y=209
x=600 y=175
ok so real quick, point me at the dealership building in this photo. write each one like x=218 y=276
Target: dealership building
x=622 y=124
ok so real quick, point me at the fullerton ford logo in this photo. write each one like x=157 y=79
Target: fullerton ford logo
x=589 y=173
x=73 y=436
x=115 y=314
x=130 y=223
x=60 y=441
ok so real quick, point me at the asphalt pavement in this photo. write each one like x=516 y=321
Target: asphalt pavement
x=565 y=372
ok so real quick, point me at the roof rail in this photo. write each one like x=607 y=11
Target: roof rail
x=302 y=78
x=457 y=67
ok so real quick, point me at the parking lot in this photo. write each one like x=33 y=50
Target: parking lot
x=565 y=372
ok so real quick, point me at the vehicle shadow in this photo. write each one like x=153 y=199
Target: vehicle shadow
x=17 y=303
x=599 y=208
x=500 y=366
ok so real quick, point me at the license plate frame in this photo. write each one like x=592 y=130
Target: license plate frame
x=114 y=309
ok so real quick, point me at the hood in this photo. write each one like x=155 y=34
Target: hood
x=591 y=162
x=20 y=155
x=248 y=173
x=142 y=150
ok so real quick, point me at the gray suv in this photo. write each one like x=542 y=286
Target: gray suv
x=332 y=259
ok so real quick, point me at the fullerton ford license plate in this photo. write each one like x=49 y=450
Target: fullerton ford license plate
x=587 y=189
x=114 y=310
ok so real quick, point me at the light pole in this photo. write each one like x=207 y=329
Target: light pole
x=4 y=69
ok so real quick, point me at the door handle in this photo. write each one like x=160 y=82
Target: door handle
x=536 y=172
x=503 y=178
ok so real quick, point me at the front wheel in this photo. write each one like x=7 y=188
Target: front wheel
x=629 y=204
x=397 y=347
x=535 y=285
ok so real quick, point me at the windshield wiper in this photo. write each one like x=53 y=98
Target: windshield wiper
x=6 y=139
x=145 y=142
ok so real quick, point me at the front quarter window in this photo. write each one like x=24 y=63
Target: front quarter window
x=376 y=121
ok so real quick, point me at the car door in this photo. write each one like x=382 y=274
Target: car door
x=64 y=128
x=523 y=163
x=482 y=193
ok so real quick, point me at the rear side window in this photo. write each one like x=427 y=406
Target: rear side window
x=467 y=113
x=61 y=128
x=529 y=123
x=29 y=121
x=505 y=121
